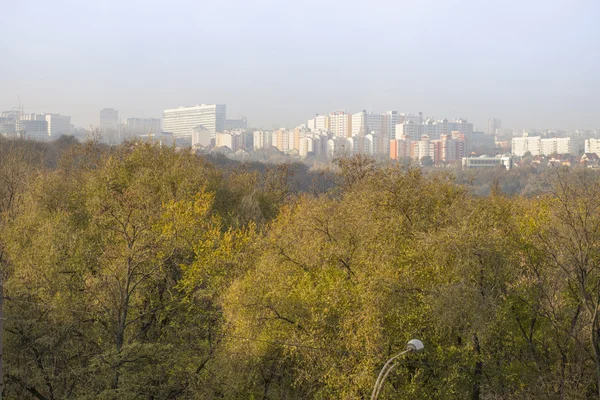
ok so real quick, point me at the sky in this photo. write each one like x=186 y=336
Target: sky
x=531 y=63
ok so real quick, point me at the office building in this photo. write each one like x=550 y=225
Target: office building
x=33 y=126
x=487 y=162
x=181 y=121
x=58 y=125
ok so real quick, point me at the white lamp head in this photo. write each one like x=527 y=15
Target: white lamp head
x=414 y=345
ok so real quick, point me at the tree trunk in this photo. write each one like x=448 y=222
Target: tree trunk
x=478 y=371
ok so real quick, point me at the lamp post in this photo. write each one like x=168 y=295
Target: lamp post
x=413 y=345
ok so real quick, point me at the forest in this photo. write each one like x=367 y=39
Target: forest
x=146 y=272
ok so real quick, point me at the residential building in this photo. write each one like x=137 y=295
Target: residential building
x=181 y=121
x=526 y=144
x=340 y=123
x=359 y=123
x=229 y=140
x=592 y=146
x=201 y=137
x=262 y=140
x=551 y=146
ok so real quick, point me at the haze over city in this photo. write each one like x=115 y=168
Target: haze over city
x=532 y=64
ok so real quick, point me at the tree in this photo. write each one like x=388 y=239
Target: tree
x=427 y=161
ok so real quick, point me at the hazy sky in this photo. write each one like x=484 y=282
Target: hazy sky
x=532 y=63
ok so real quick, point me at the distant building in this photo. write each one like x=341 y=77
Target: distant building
x=592 y=146
x=262 y=140
x=8 y=123
x=143 y=126
x=537 y=146
x=239 y=123
x=200 y=137
x=340 y=123
x=526 y=144
x=109 y=120
x=181 y=121
x=227 y=140
x=479 y=142
x=493 y=125
x=487 y=162
x=58 y=125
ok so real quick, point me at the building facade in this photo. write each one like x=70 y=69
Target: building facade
x=181 y=121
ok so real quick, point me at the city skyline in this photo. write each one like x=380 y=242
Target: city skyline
x=531 y=64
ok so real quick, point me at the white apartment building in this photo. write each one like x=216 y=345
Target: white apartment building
x=340 y=123
x=262 y=139
x=181 y=121
x=408 y=129
x=538 y=146
x=58 y=125
x=226 y=139
x=359 y=123
x=524 y=144
x=422 y=148
x=592 y=146
x=556 y=146
x=200 y=137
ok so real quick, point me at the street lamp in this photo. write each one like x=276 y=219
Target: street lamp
x=413 y=345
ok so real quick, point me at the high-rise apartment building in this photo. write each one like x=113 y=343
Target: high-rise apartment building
x=359 y=123
x=262 y=139
x=181 y=121
x=341 y=123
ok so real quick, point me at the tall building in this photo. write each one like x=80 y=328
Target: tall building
x=341 y=123
x=389 y=121
x=493 y=125
x=181 y=121
x=359 y=123
x=262 y=139
x=58 y=125
x=592 y=146
x=109 y=120
x=281 y=140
